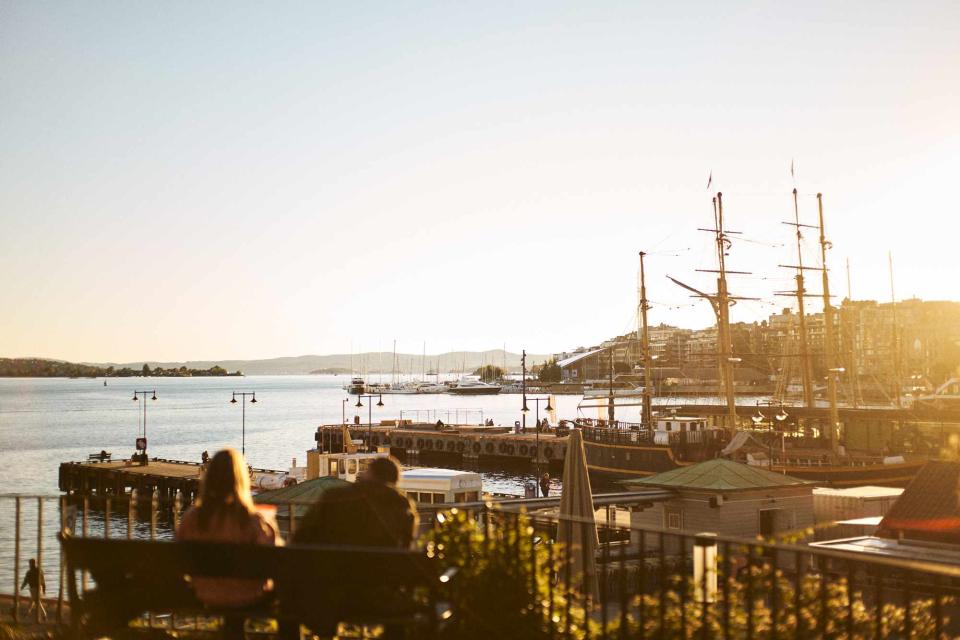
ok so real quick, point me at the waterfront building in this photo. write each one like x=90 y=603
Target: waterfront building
x=728 y=498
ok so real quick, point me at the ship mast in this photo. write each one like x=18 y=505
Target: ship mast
x=830 y=357
x=720 y=302
x=805 y=368
x=724 y=343
x=645 y=352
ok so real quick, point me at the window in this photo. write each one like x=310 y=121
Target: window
x=674 y=520
x=438 y=498
x=351 y=467
x=683 y=426
x=669 y=426
x=413 y=495
x=473 y=496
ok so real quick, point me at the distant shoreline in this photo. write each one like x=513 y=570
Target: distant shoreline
x=39 y=368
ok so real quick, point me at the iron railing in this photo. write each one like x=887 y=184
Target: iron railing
x=649 y=583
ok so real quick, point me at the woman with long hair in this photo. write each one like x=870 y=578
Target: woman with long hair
x=225 y=512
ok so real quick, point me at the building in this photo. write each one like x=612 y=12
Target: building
x=728 y=498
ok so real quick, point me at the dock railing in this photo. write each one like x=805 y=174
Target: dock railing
x=636 y=583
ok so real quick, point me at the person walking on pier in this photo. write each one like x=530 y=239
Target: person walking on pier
x=38 y=586
x=545 y=485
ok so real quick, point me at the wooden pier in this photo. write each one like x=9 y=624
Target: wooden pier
x=118 y=478
x=453 y=443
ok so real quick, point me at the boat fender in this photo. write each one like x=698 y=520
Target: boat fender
x=419 y=443
x=476 y=447
x=533 y=451
x=489 y=447
x=548 y=452
x=523 y=450
x=510 y=449
x=451 y=445
x=439 y=445
x=428 y=444
x=503 y=447
x=460 y=447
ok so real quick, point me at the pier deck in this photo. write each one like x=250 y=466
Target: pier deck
x=453 y=442
x=117 y=478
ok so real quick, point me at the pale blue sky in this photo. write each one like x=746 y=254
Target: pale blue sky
x=214 y=180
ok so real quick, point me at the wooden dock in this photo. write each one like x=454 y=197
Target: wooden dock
x=453 y=443
x=118 y=478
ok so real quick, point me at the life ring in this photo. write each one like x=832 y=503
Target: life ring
x=476 y=447
x=489 y=447
x=523 y=450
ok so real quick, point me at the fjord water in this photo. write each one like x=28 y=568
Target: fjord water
x=45 y=421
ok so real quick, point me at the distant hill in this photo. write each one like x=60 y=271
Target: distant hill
x=370 y=362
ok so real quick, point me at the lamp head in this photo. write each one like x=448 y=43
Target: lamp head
x=233 y=400
x=253 y=400
x=549 y=406
x=380 y=401
x=525 y=409
x=359 y=404
x=154 y=396
x=134 y=396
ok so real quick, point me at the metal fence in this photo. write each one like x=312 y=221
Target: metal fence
x=636 y=583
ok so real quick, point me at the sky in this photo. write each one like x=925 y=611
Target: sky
x=216 y=180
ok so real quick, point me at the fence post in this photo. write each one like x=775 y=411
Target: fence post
x=41 y=583
x=705 y=576
x=16 y=562
x=63 y=532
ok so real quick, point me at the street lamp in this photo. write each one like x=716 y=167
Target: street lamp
x=369 y=414
x=143 y=440
x=243 y=400
x=526 y=410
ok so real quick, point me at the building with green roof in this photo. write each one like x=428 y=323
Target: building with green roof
x=301 y=496
x=728 y=498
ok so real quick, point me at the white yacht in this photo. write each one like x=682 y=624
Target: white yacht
x=467 y=387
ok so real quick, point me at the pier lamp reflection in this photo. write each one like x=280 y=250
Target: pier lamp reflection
x=369 y=415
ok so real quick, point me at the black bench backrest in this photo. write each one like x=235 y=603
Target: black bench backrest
x=160 y=562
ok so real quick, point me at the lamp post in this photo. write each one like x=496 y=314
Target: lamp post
x=359 y=404
x=136 y=397
x=243 y=420
x=526 y=410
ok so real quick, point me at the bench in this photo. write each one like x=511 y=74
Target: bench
x=99 y=457
x=313 y=585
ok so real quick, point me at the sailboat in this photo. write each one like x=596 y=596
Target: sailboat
x=668 y=441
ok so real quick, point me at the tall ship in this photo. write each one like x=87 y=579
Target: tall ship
x=805 y=441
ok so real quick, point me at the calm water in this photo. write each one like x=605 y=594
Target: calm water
x=45 y=421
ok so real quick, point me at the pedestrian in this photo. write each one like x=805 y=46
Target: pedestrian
x=225 y=512
x=204 y=458
x=370 y=512
x=545 y=485
x=38 y=586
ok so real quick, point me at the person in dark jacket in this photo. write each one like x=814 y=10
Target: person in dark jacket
x=545 y=485
x=371 y=513
x=38 y=585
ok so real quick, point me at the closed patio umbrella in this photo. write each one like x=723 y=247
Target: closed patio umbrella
x=577 y=529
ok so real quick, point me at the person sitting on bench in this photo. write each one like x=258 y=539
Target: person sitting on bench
x=225 y=512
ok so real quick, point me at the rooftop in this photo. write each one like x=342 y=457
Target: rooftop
x=720 y=475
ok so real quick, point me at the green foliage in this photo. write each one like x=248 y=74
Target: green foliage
x=502 y=588
x=549 y=372
x=489 y=372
